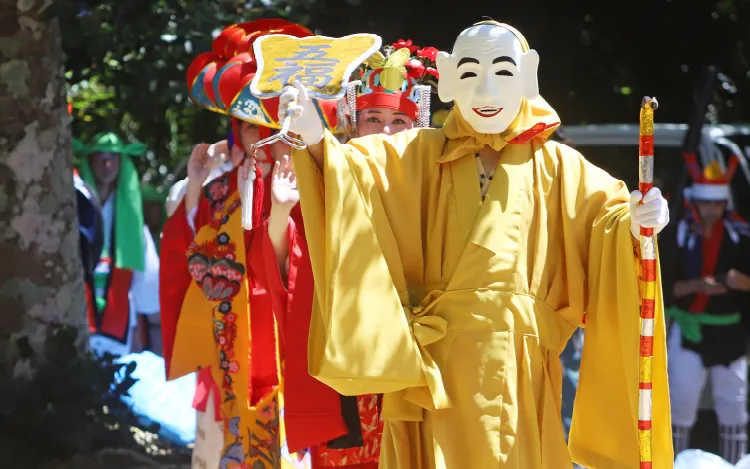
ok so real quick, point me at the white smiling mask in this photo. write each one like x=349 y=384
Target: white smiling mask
x=487 y=75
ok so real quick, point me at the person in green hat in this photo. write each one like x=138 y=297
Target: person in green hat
x=126 y=277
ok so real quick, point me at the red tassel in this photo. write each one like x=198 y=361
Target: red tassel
x=259 y=186
x=258 y=196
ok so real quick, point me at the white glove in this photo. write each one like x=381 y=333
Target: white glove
x=305 y=119
x=654 y=213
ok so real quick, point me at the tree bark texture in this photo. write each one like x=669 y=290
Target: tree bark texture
x=41 y=283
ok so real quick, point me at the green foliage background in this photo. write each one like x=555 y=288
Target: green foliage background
x=126 y=59
x=125 y=68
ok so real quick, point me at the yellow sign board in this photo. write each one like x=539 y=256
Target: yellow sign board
x=322 y=64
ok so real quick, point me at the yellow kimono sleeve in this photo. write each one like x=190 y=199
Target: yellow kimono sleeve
x=604 y=431
x=360 y=338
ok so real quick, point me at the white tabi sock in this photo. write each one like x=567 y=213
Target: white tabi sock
x=733 y=442
x=680 y=439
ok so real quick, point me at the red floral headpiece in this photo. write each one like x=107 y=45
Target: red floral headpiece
x=421 y=65
x=401 y=77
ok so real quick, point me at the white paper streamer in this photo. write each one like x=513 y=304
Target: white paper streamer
x=246 y=196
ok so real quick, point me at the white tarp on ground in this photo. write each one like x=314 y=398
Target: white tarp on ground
x=156 y=400
x=697 y=459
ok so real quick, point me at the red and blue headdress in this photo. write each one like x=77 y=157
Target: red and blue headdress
x=219 y=80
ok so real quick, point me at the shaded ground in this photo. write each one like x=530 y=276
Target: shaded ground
x=152 y=453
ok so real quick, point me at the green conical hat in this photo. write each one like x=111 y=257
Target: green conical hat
x=110 y=143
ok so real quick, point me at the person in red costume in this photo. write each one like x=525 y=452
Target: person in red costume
x=374 y=104
x=217 y=318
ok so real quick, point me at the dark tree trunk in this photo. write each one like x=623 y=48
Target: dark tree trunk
x=40 y=268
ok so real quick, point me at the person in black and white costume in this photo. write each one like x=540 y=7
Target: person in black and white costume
x=709 y=306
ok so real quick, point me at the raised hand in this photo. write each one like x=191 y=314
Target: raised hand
x=306 y=123
x=204 y=158
x=199 y=164
x=284 y=194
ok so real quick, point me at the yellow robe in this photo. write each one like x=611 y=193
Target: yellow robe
x=457 y=308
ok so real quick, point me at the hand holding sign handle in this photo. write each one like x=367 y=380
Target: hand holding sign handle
x=299 y=114
x=288 y=109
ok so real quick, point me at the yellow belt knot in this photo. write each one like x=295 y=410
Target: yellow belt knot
x=427 y=330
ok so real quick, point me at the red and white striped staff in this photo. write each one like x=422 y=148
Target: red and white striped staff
x=648 y=272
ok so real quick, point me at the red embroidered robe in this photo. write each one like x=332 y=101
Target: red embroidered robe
x=313 y=411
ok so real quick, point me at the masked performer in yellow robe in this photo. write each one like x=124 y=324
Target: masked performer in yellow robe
x=452 y=265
